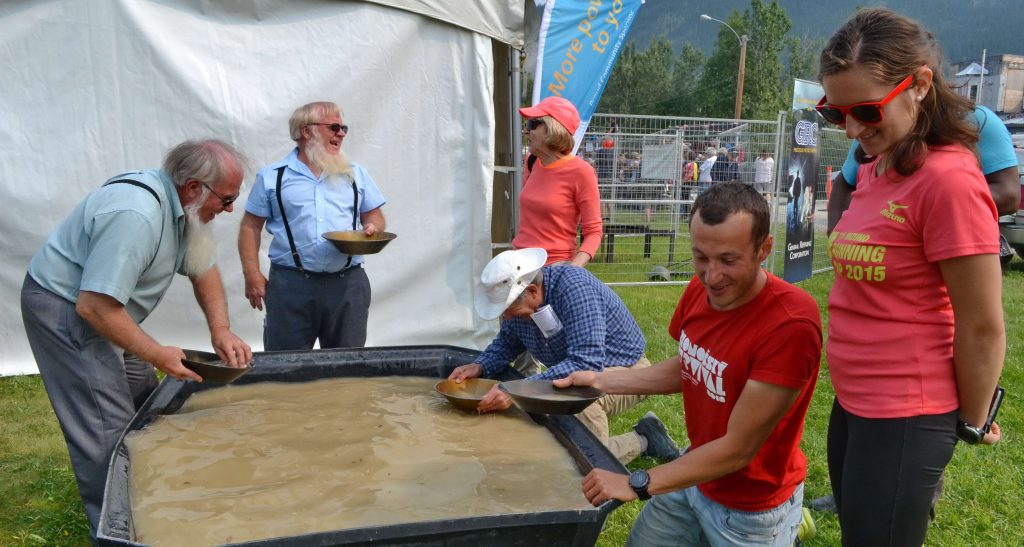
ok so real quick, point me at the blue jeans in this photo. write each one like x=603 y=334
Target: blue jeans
x=688 y=517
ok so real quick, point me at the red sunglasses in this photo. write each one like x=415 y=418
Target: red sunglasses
x=868 y=113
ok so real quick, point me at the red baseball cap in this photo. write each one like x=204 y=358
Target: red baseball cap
x=558 y=108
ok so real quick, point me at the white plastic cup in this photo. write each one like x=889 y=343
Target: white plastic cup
x=547 y=321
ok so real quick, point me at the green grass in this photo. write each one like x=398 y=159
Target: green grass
x=40 y=498
x=980 y=505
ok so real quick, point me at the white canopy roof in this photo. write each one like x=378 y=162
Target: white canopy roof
x=499 y=19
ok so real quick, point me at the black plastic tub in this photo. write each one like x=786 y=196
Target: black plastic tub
x=570 y=527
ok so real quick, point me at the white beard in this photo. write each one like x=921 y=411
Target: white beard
x=200 y=244
x=329 y=164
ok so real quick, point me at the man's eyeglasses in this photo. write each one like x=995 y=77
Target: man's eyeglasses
x=533 y=123
x=225 y=202
x=868 y=113
x=334 y=127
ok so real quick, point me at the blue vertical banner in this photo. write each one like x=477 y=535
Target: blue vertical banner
x=800 y=183
x=578 y=44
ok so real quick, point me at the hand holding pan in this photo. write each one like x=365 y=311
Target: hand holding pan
x=542 y=397
x=211 y=367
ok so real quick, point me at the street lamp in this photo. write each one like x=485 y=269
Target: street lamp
x=743 y=62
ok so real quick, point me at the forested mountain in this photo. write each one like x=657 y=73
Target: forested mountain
x=963 y=27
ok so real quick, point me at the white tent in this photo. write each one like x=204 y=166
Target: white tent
x=92 y=89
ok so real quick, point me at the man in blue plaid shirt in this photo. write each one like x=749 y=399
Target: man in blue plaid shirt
x=570 y=321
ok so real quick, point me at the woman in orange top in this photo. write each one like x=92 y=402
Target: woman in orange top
x=559 y=189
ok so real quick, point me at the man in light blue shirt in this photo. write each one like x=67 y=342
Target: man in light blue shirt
x=314 y=291
x=101 y=272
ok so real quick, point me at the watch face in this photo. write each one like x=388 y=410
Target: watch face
x=969 y=434
x=639 y=479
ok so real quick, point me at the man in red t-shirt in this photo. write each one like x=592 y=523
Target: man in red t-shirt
x=748 y=358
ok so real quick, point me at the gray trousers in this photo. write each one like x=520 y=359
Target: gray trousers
x=303 y=307
x=93 y=386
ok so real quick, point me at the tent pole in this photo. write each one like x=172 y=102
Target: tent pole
x=515 y=134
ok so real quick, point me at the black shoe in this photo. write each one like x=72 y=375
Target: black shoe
x=659 y=445
x=825 y=504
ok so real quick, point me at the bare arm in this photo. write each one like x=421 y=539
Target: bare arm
x=109 y=317
x=209 y=291
x=248 y=251
x=838 y=202
x=661 y=378
x=581 y=259
x=588 y=203
x=757 y=412
x=979 y=339
x=1005 y=187
x=373 y=221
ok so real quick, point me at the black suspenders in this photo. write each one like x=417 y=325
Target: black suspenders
x=156 y=197
x=139 y=184
x=288 y=229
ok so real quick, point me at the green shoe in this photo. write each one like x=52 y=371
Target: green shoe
x=807 y=528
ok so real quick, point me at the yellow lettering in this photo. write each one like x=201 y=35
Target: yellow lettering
x=556 y=87
x=611 y=20
x=584 y=27
x=878 y=254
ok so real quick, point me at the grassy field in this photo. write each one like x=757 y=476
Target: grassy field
x=980 y=506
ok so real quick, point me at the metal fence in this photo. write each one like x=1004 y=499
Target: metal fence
x=647 y=169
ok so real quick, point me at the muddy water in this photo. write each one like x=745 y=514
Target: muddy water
x=283 y=459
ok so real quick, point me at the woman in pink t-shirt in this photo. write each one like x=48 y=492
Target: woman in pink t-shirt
x=559 y=189
x=916 y=339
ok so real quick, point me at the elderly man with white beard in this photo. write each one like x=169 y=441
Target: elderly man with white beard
x=314 y=291
x=101 y=272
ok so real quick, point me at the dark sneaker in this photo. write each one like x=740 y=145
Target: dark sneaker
x=659 y=445
x=825 y=503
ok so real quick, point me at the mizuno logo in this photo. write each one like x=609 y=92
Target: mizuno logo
x=894 y=206
x=890 y=213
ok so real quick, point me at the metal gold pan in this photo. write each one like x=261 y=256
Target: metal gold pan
x=542 y=397
x=355 y=242
x=211 y=367
x=466 y=395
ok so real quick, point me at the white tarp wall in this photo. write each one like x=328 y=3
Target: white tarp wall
x=92 y=89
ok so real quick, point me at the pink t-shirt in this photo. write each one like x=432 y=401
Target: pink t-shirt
x=890 y=332
x=555 y=199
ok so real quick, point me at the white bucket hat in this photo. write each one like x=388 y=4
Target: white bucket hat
x=504 y=278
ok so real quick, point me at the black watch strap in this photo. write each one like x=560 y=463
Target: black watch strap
x=638 y=481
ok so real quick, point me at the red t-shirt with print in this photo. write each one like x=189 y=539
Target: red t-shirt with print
x=775 y=338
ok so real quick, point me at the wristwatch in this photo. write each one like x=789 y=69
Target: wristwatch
x=638 y=481
x=969 y=433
